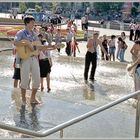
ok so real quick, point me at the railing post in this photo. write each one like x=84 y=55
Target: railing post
x=108 y=25
x=137 y=119
x=61 y=133
x=121 y=26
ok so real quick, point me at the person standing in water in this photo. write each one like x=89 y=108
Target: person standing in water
x=26 y=37
x=91 y=56
x=135 y=67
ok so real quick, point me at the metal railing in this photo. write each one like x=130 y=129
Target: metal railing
x=6 y=49
x=78 y=119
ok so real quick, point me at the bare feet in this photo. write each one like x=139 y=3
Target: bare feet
x=35 y=101
x=42 y=88
x=23 y=100
x=49 y=89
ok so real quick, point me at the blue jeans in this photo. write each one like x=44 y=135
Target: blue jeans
x=122 y=55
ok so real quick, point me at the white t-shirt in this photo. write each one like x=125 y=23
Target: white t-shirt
x=83 y=20
x=45 y=54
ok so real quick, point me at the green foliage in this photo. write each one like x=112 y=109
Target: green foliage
x=9 y=20
x=54 y=6
x=105 y=6
x=134 y=11
x=64 y=4
x=38 y=8
x=22 y=7
x=101 y=6
x=85 y=5
x=30 y=4
x=136 y=4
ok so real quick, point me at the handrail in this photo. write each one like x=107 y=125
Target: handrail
x=6 y=49
x=70 y=122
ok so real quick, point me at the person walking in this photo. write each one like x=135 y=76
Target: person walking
x=91 y=56
x=68 y=41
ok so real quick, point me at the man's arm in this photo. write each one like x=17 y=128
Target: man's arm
x=134 y=64
x=49 y=48
x=132 y=50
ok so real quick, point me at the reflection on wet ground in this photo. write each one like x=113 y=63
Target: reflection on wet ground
x=111 y=82
x=69 y=96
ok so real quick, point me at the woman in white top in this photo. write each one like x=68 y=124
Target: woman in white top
x=132 y=28
x=45 y=63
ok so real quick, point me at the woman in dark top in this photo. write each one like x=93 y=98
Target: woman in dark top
x=105 y=45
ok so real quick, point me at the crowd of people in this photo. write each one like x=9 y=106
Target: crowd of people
x=134 y=31
x=38 y=66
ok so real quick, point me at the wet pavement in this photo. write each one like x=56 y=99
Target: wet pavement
x=70 y=97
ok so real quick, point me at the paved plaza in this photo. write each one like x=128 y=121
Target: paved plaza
x=70 y=97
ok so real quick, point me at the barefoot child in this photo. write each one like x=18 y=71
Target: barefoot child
x=16 y=75
x=74 y=46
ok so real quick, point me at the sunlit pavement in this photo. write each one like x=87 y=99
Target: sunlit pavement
x=70 y=97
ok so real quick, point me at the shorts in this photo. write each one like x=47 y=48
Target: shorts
x=29 y=67
x=112 y=50
x=45 y=67
x=16 y=75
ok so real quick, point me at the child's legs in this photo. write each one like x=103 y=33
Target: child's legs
x=15 y=83
x=113 y=51
x=41 y=81
x=48 y=80
x=113 y=56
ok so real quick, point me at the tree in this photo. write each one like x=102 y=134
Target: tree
x=63 y=4
x=22 y=7
x=116 y=5
x=134 y=11
x=54 y=6
x=30 y=4
x=101 y=6
x=106 y=6
x=136 y=4
x=38 y=8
